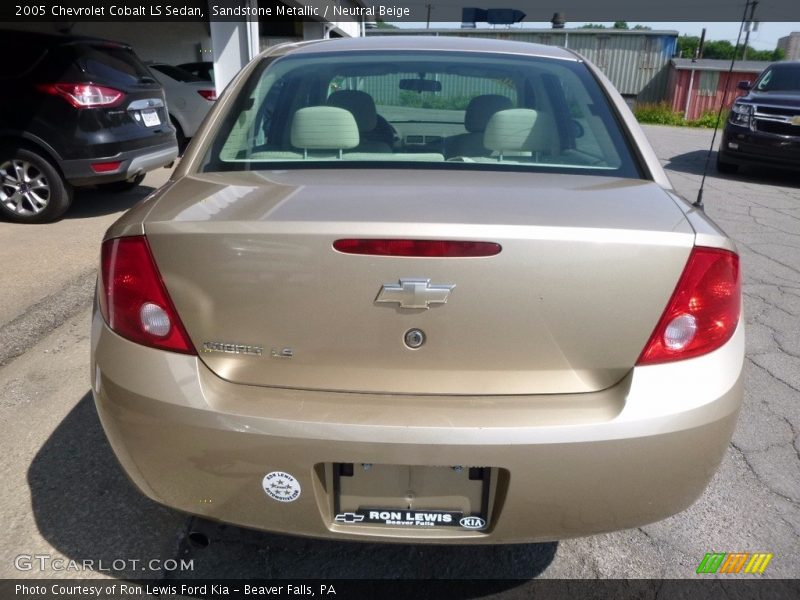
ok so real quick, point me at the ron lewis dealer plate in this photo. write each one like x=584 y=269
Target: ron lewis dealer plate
x=411 y=518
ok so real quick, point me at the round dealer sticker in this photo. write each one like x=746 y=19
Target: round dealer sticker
x=281 y=486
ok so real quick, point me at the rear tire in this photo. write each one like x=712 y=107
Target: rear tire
x=726 y=167
x=32 y=190
x=123 y=186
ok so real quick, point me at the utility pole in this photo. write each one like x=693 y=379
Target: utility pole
x=749 y=26
x=698 y=52
x=428 y=24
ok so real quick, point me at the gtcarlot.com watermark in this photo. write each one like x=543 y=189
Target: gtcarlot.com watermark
x=47 y=562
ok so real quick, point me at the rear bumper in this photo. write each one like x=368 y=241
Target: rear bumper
x=566 y=465
x=133 y=162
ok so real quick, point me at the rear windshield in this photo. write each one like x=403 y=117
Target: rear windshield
x=111 y=64
x=448 y=110
x=175 y=73
x=202 y=70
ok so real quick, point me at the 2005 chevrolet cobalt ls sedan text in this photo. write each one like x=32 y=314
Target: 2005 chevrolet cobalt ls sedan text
x=429 y=290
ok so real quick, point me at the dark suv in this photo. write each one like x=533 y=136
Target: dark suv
x=763 y=127
x=77 y=111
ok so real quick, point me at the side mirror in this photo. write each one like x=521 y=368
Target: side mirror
x=744 y=85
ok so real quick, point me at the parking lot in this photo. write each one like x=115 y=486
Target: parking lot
x=64 y=495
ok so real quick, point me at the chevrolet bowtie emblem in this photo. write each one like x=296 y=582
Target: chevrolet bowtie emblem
x=414 y=293
x=349 y=517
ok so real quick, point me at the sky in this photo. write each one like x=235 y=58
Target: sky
x=766 y=38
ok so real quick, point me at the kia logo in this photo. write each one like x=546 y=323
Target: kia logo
x=472 y=523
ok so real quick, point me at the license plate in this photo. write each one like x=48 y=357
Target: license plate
x=796 y=120
x=150 y=117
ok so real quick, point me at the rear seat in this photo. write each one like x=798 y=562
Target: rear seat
x=362 y=107
x=521 y=132
x=324 y=129
x=321 y=132
x=479 y=110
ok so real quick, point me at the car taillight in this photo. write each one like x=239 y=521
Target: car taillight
x=133 y=299
x=106 y=167
x=208 y=94
x=84 y=95
x=703 y=311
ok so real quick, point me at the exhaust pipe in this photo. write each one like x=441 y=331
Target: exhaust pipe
x=198 y=539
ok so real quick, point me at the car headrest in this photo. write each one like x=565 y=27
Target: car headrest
x=360 y=104
x=324 y=128
x=481 y=108
x=520 y=130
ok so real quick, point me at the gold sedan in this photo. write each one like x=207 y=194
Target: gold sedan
x=419 y=289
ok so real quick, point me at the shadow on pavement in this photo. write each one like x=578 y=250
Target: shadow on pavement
x=84 y=505
x=94 y=202
x=86 y=508
x=693 y=163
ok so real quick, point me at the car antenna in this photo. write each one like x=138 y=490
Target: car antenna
x=751 y=4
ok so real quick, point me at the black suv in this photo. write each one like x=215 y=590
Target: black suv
x=77 y=111
x=763 y=127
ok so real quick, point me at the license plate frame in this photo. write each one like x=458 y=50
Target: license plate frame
x=422 y=513
x=150 y=117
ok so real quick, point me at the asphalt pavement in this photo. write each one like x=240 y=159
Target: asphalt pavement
x=64 y=496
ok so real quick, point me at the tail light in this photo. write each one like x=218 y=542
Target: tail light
x=84 y=95
x=133 y=299
x=417 y=248
x=703 y=311
x=106 y=167
x=208 y=94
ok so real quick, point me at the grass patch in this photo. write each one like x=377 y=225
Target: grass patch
x=709 y=119
x=661 y=113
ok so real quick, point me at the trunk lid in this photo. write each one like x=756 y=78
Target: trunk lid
x=586 y=268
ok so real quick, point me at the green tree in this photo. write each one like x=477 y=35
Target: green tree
x=718 y=49
x=592 y=26
x=621 y=25
x=778 y=54
x=687 y=46
x=722 y=49
x=768 y=55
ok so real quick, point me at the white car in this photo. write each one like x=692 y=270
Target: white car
x=188 y=98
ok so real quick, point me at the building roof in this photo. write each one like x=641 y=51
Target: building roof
x=713 y=64
x=518 y=31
